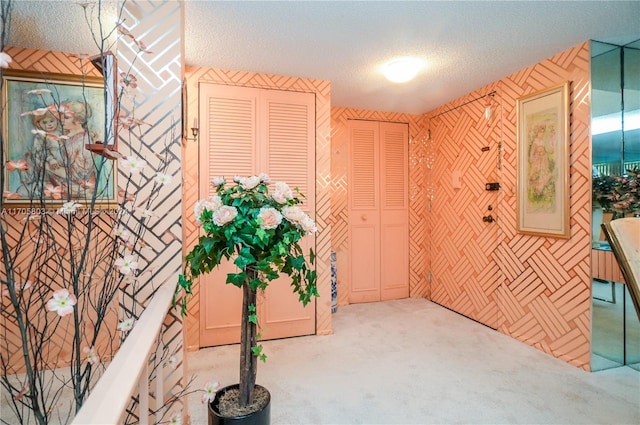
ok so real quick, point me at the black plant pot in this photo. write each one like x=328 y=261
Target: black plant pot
x=261 y=417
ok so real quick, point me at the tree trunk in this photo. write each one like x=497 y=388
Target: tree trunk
x=248 y=362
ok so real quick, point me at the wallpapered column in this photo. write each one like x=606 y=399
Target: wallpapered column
x=418 y=214
x=322 y=91
x=544 y=284
x=158 y=101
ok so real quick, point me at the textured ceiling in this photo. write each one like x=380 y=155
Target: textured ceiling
x=466 y=44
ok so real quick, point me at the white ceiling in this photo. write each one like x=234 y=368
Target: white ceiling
x=466 y=44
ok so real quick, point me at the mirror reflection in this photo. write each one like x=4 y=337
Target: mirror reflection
x=615 y=109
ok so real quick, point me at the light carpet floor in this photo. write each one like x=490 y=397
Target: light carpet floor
x=414 y=362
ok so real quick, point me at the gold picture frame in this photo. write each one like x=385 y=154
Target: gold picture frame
x=543 y=162
x=58 y=160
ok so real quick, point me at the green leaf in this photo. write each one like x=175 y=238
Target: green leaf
x=252 y=308
x=208 y=244
x=245 y=258
x=237 y=279
x=257 y=351
x=255 y=284
x=297 y=262
x=312 y=256
x=262 y=235
x=253 y=318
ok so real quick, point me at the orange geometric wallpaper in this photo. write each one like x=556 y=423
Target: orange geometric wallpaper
x=418 y=287
x=534 y=289
x=322 y=91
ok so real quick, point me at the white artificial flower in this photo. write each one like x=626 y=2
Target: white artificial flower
x=68 y=208
x=5 y=60
x=282 y=193
x=293 y=214
x=133 y=164
x=308 y=225
x=249 y=183
x=62 y=302
x=218 y=181
x=224 y=215
x=17 y=287
x=212 y=203
x=269 y=218
x=210 y=389
x=127 y=324
x=215 y=202
x=172 y=362
x=91 y=355
x=127 y=264
x=163 y=179
x=175 y=418
x=145 y=213
x=122 y=233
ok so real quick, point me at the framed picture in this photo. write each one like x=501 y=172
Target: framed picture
x=50 y=121
x=543 y=162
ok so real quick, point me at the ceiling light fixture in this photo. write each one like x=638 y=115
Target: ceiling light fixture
x=401 y=70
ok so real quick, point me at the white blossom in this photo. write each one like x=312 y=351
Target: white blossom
x=91 y=355
x=68 y=208
x=218 y=181
x=127 y=264
x=210 y=389
x=163 y=179
x=175 y=418
x=62 y=302
x=127 y=324
x=133 y=164
x=5 y=60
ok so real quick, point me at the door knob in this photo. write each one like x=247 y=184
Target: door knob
x=488 y=219
x=364 y=217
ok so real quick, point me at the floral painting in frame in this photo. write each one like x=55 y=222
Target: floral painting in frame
x=543 y=162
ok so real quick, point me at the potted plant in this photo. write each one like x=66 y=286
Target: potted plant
x=618 y=194
x=261 y=233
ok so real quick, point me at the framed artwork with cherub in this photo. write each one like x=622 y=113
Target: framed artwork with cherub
x=49 y=121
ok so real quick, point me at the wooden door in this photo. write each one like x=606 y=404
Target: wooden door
x=246 y=131
x=394 y=211
x=378 y=211
x=464 y=268
x=289 y=155
x=364 y=211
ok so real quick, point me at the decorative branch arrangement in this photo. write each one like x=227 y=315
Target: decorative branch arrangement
x=66 y=262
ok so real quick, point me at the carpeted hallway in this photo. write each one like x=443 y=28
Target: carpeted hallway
x=413 y=362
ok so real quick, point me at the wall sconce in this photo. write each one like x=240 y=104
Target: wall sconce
x=195 y=130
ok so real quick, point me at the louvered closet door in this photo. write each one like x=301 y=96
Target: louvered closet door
x=364 y=211
x=378 y=211
x=246 y=131
x=289 y=155
x=228 y=122
x=394 y=211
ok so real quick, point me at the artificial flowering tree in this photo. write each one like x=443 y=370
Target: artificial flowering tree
x=261 y=233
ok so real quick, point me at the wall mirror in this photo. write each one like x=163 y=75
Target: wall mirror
x=615 y=130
